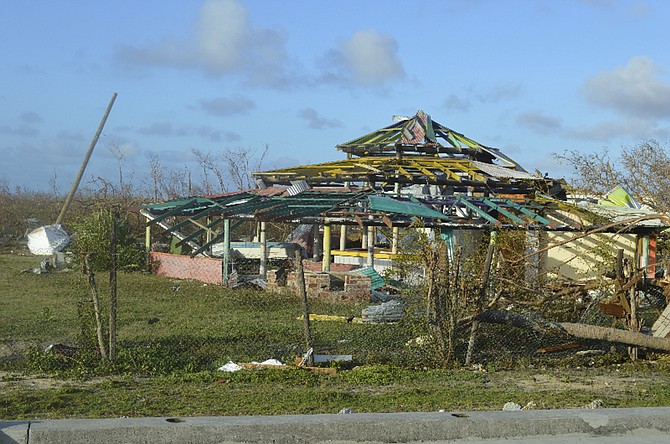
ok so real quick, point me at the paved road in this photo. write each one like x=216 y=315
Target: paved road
x=602 y=426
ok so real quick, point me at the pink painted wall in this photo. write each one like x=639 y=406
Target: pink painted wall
x=185 y=267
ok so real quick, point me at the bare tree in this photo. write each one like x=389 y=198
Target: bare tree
x=156 y=175
x=242 y=163
x=120 y=156
x=232 y=168
x=643 y=169
x=209 y=164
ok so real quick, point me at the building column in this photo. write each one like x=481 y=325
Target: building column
x=364 y=238
x=394 y=241
x=226 y=250
x=371 y=246
x=343 y=237
x=147 y=236
x=325 y=264
x=263 y=271
x=317 y=245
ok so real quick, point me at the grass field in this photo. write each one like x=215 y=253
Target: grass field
x=171 y=343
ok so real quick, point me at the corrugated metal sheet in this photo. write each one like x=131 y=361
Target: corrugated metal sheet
x=622 y=214
x=389 y=205
x=500 y=172
x=376 y=280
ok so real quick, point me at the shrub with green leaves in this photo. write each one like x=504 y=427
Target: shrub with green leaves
x=92 y=237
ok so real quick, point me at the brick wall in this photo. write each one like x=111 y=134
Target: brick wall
x=185 y=267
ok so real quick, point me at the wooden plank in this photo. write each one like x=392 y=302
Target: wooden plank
x=320 y=370
x=559 y=348
x=661 y=327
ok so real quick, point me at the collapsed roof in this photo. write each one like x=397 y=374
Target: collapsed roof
x=418 y=150
x=414 y=169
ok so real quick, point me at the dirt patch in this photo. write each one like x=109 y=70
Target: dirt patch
x=12 y=380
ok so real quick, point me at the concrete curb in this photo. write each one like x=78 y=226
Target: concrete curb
x=350 y=428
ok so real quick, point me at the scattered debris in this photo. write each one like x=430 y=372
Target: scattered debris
x=661 y=328
x=595 y=404
x=45 y=267
x=301 y=362
x=318 y=317
x=511 y=407
x=61 y=350
x=346 y=411
x=269 y=362
x=318 y=359
x=257 y=284
x=47 y=240
x=233 y=367
x=230 y=367
x=390 y=311
x=532 y=405
x=590 y=352
x=559 y=348
x=420 y=341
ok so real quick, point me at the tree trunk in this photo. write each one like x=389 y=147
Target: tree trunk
x=583 y=331
x=616 y=335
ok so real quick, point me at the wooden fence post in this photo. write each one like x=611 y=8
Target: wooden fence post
x=305 y=307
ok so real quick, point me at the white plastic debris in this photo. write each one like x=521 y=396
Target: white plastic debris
x=346 y=411
x=47 y=240
x=268 y=362
x=595 y=404
x=511 y=407
x=230 y=367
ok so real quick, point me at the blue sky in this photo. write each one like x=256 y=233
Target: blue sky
x=531 y=77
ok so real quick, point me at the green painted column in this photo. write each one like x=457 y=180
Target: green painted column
x=226 y=250
x=263 y=269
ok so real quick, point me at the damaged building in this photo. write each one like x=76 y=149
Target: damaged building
x=356 y=214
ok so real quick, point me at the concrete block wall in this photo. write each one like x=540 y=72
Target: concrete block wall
x=334 y=267
x=325 y=286
x=185 y=267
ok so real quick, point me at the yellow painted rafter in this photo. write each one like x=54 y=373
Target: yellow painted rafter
x=419 y=167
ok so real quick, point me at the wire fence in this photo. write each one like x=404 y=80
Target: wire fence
x=173 y=324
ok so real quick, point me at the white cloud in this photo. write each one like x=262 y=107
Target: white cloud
x=223 y=31
x=314 y=120
x=228 y=106
x=539 y=122
x=166 y=129
x=499 y=93
x=372 y=57
x=367 y=58
x=21 y=130
x=30 y=117
x=455 y=103
x=636 y=89
x=223 y=42
x=613 y=130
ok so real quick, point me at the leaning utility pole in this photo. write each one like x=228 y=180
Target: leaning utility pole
x=75 y=185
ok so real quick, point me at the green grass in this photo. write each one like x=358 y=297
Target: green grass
x=269 y=392
x=170 y=345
